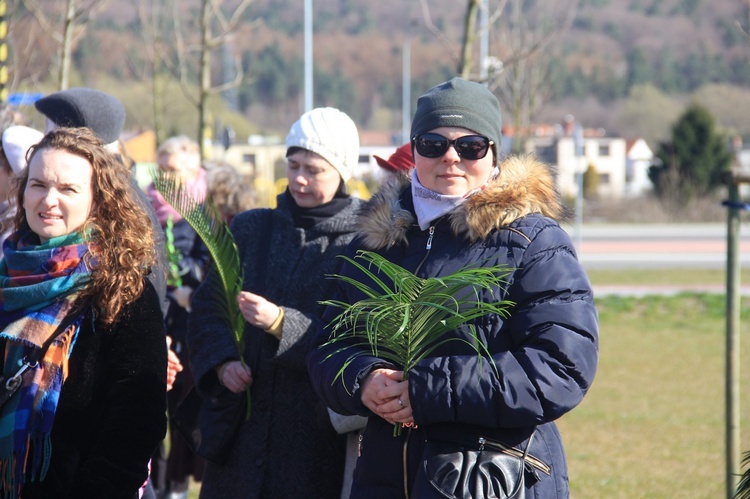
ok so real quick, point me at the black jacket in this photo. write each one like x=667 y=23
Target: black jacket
x=289 y=447
x=111 y=413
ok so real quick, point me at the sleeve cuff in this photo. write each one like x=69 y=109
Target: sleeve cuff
x=277 y=325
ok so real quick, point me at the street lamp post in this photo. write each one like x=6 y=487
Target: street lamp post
x=308 y=56
x=406 y=91
x=578 y=143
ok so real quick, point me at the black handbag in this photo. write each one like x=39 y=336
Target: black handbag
x=209 y=424
x=474 y=468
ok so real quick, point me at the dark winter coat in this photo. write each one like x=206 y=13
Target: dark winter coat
x=112 y=410
x=288 y=448
x=546 y=352
x=192 y=268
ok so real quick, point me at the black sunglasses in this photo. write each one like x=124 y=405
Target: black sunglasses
x=433 y=145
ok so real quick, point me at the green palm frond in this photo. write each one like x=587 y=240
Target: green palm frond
x=743 y=487
x=207 y=222
x=173 y=256
x=404 y=318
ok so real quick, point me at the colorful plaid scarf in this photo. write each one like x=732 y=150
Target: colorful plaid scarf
x=38 y=288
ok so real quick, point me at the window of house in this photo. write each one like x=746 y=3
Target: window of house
x=604 y=179
x=603 y=150
x=364 y=158
x=248 y=158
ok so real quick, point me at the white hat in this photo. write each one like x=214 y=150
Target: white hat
x=331 y=134
x=16 y=143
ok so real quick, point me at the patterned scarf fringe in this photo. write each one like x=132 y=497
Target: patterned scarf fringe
x=12 y=472
x=11 y=486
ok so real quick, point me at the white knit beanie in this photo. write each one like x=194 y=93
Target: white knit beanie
x=329 y=133
x=16 y=141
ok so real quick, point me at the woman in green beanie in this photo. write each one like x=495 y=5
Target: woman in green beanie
x=470 y=426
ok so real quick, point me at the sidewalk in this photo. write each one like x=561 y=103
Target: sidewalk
x=662 y=290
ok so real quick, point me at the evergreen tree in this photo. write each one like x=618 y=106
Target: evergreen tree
x=591 y=182
x=640 y=70
x=692 y=162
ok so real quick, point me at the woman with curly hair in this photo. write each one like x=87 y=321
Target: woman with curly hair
x=88 y=416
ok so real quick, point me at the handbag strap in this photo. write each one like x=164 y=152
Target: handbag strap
x=38 y=353
x=523 y=464
x=523 y=458
x=31 y=360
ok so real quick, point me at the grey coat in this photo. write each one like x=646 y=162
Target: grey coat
x=288 y=448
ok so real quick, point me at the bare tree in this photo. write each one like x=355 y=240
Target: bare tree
x=521 y=33
x=524 y=34
x=27 y=52
x=64 y=23
x=154 y=18
x=435 y=31
x=193 y=55
x=745 y=30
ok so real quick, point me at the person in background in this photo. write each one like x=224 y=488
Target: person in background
x=87 y=418
x=399 y=163
x=188 y=261
x=460 y=208
x=288 y=448
x=15 y=142
x=229 y=191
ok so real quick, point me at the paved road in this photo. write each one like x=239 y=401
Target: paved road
x=657 y=246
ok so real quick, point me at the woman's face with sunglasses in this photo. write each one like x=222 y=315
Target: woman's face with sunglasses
x=453 y=161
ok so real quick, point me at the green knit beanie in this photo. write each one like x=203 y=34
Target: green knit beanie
x=459 y=103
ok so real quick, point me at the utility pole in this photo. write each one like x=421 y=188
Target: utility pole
x=406 y=91
x=3 y=52
x=484 y=44
x=578 y=142
x=308 y=55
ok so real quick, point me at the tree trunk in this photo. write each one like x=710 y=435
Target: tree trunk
x=470 y=36
x=205 y=77
x=67 y=43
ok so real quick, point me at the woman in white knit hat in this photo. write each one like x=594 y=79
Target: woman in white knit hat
x=289 y=447
x=14 y=144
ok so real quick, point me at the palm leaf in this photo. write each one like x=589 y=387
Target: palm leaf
x=208 y=223
x=743 y=487
x=404 y=318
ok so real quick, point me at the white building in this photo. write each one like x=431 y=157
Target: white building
x=622 y=167
x=639 y=160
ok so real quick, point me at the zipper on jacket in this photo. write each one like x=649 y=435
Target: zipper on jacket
x=512 y=451
x=428 y=247
x=429 y=239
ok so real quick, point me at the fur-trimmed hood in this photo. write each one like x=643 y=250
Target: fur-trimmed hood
x=525 y=185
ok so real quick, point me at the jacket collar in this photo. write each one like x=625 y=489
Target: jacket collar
x=525 y=185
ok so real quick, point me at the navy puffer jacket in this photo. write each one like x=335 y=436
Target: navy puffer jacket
x=545 y=352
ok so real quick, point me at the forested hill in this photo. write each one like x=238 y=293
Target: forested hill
x=611 y=55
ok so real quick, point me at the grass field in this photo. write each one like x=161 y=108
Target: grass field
x=652 y=425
